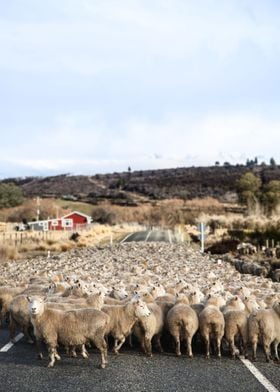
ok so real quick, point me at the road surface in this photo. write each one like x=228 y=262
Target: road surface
x=130 y=371
x=153 y=235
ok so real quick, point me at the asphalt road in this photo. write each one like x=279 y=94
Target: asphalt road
x=130 y=371
x=152 y=235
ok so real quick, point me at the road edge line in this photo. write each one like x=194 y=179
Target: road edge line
x=126 y=237
x=258 y=375
x=150 y=232
x=9 y=345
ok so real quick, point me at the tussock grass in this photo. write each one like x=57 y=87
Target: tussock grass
x=8 y=252
x=97 y=235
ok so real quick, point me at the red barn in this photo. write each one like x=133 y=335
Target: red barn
x=73 y=221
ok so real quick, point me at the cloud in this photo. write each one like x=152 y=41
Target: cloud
x=92 y=38
x=100 y=85
x=176 y=140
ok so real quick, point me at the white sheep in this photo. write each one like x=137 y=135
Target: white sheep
x=70 y=328
x=182 y=323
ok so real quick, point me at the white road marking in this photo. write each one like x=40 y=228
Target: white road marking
x=10 y=344
x=261 y=378
x=169 y=237
x=150 y=232
x=125 y=238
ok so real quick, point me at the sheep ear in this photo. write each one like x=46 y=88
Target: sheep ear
x=45 y=298
x=28 y=298
x=100 y=292
x=245 y=298
x=236 y=298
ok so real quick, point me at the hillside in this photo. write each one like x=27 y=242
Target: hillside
x=130 y=188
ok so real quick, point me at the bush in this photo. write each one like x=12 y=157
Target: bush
x=104 y=216
x=10 y=195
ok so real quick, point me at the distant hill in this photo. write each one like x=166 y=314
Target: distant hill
x=130 y=188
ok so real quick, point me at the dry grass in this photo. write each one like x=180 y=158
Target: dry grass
x=97 y=235
x=8 y=252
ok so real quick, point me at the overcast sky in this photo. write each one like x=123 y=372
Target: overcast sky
x=91 y=86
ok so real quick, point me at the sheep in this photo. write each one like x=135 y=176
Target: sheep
x=182 y=323
x=215 y=300
x=19 y=317
x=122 y=319
x=194 y=297
x=7 y=294
x=148 y=327
x=234 y=303
x=265 y=325
x=70 y=328
x=236 y=324
x=212 y=325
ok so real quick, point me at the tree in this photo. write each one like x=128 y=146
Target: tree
x=10 y=195
x=271 y=195
x=272 y=162
x=249 y=189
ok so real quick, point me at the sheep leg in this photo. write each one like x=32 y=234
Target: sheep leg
x=148 y=346
x=254 y=349
x=52 y=351
x=143 y=345
x=57 y=356
x=118 y=346
x=266 y=348
x=27 y=335
x=189 y=344
x=84 y=351
x=207 y=344
x=275 y=346
x=101 y=344
x=244 y=346
x=39 y=348
x=130 y=340
x=73 y=352
x=12 y=330
x=177 y=343
x=158 y=343
x=218 y=342
x=231 y=346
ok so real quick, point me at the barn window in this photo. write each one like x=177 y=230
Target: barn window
x=67 y=223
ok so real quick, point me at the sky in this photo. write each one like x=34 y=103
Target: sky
x=94 y=86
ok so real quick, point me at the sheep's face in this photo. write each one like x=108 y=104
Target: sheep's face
x=237 y=303
x=251 y=305
x=36 y=306
x=141 y=309
x=119 y=293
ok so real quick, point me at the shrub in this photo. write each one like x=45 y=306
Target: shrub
x=10 y=195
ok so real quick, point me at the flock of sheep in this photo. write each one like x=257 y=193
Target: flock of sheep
x=131 y=291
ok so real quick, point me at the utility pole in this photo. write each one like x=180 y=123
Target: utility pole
x=202 y=235
x=38 y=207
